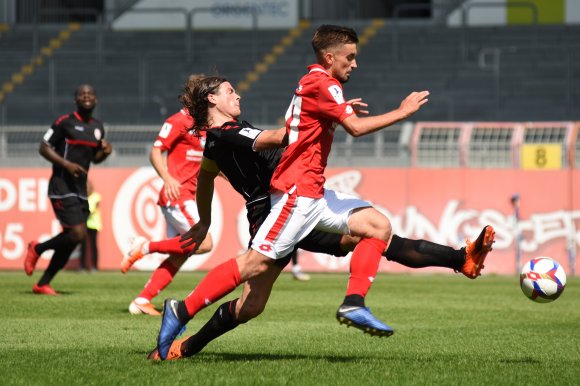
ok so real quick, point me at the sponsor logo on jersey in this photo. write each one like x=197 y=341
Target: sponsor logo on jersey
x=336 y=93
x=79 y=128
x=249 y=132
x=165 y=130
x=193 y=155
x=48 y=134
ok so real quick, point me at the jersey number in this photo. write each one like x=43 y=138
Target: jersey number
x=294 y=111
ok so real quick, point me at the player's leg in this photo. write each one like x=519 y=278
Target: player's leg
x=229 y=315
x=72 y=214
x=60 y=258
x=179 y=220
x=219 y=282
x=349 y=215
x=291 y=218
x=297 y=272
x=93 y=239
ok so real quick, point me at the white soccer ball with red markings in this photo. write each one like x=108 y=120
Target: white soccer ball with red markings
x=542 y=279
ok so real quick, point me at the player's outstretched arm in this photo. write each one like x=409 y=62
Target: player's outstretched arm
x=357 y=126
x=269 y=139
x=204 y=195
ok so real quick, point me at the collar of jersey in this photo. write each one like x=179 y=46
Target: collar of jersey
x=317 y=68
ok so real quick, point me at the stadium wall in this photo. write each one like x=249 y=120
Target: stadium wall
x=442 y=205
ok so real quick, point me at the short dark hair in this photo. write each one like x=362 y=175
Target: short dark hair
x=78 y=89
x=328 y=36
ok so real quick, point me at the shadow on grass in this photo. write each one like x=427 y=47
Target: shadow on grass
x=526 y=360
x=241 y=357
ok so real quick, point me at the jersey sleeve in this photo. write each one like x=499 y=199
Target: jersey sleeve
x=242 y=135
x=331 y=101
x=169 y=135
x=55 y=134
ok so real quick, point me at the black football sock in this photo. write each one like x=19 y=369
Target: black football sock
x=354 y=300
x=57 y=262
x=222 y=321
x=61 y=240
x=423 y=253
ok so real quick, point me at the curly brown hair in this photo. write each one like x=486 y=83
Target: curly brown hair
x=194 y=97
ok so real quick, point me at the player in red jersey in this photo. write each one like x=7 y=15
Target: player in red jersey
x=72 y=143
x=179 y=171
x=299 y=201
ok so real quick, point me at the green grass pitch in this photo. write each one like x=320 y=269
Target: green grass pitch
x=448 y=331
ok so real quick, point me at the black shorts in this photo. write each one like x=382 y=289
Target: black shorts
x=70 y=211
x=316 y=241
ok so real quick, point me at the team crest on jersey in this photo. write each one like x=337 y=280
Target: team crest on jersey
x=98 y=134
x=336 y=93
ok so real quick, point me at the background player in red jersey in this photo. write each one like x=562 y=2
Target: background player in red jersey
x=179 y=170
x=71 y=144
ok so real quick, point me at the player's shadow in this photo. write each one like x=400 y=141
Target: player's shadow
x=239 y=357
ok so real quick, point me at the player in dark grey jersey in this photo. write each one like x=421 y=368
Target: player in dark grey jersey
x=72 y=143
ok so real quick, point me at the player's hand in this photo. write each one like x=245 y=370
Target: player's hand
x=195 y=235
x=413 y=102
x=358 y=106
x=74 y=169
x=172 y=189
x=106 y=146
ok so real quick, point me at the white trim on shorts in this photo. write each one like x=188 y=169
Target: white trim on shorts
x=179 y=220
x=293 y=217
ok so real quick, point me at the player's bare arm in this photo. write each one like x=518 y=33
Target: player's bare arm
x=269 y=139
x=105 y=151
x=357 y=126
x=172 y=186
x=204 y=195
x=53 y=157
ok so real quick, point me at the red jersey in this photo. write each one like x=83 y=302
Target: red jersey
x=184 y=152
x=316 y=109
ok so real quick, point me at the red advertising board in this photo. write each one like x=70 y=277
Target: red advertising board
x=441 y=205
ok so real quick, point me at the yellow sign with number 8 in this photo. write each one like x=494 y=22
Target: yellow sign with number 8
x=541 y=156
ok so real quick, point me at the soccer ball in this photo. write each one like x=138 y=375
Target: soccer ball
x=542 y=279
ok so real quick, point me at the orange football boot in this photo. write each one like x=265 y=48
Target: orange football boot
x=174 y=351
x=476 y=252
x=134 y=254
x=31 y=258
x=44 y=290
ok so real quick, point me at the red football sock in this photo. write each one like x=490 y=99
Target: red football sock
x=171 y=246
x=364 y=265
x=219 y=282
x=160 y=279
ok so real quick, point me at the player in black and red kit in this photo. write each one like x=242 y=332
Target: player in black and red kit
x=71 y=144
x=245 y=156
